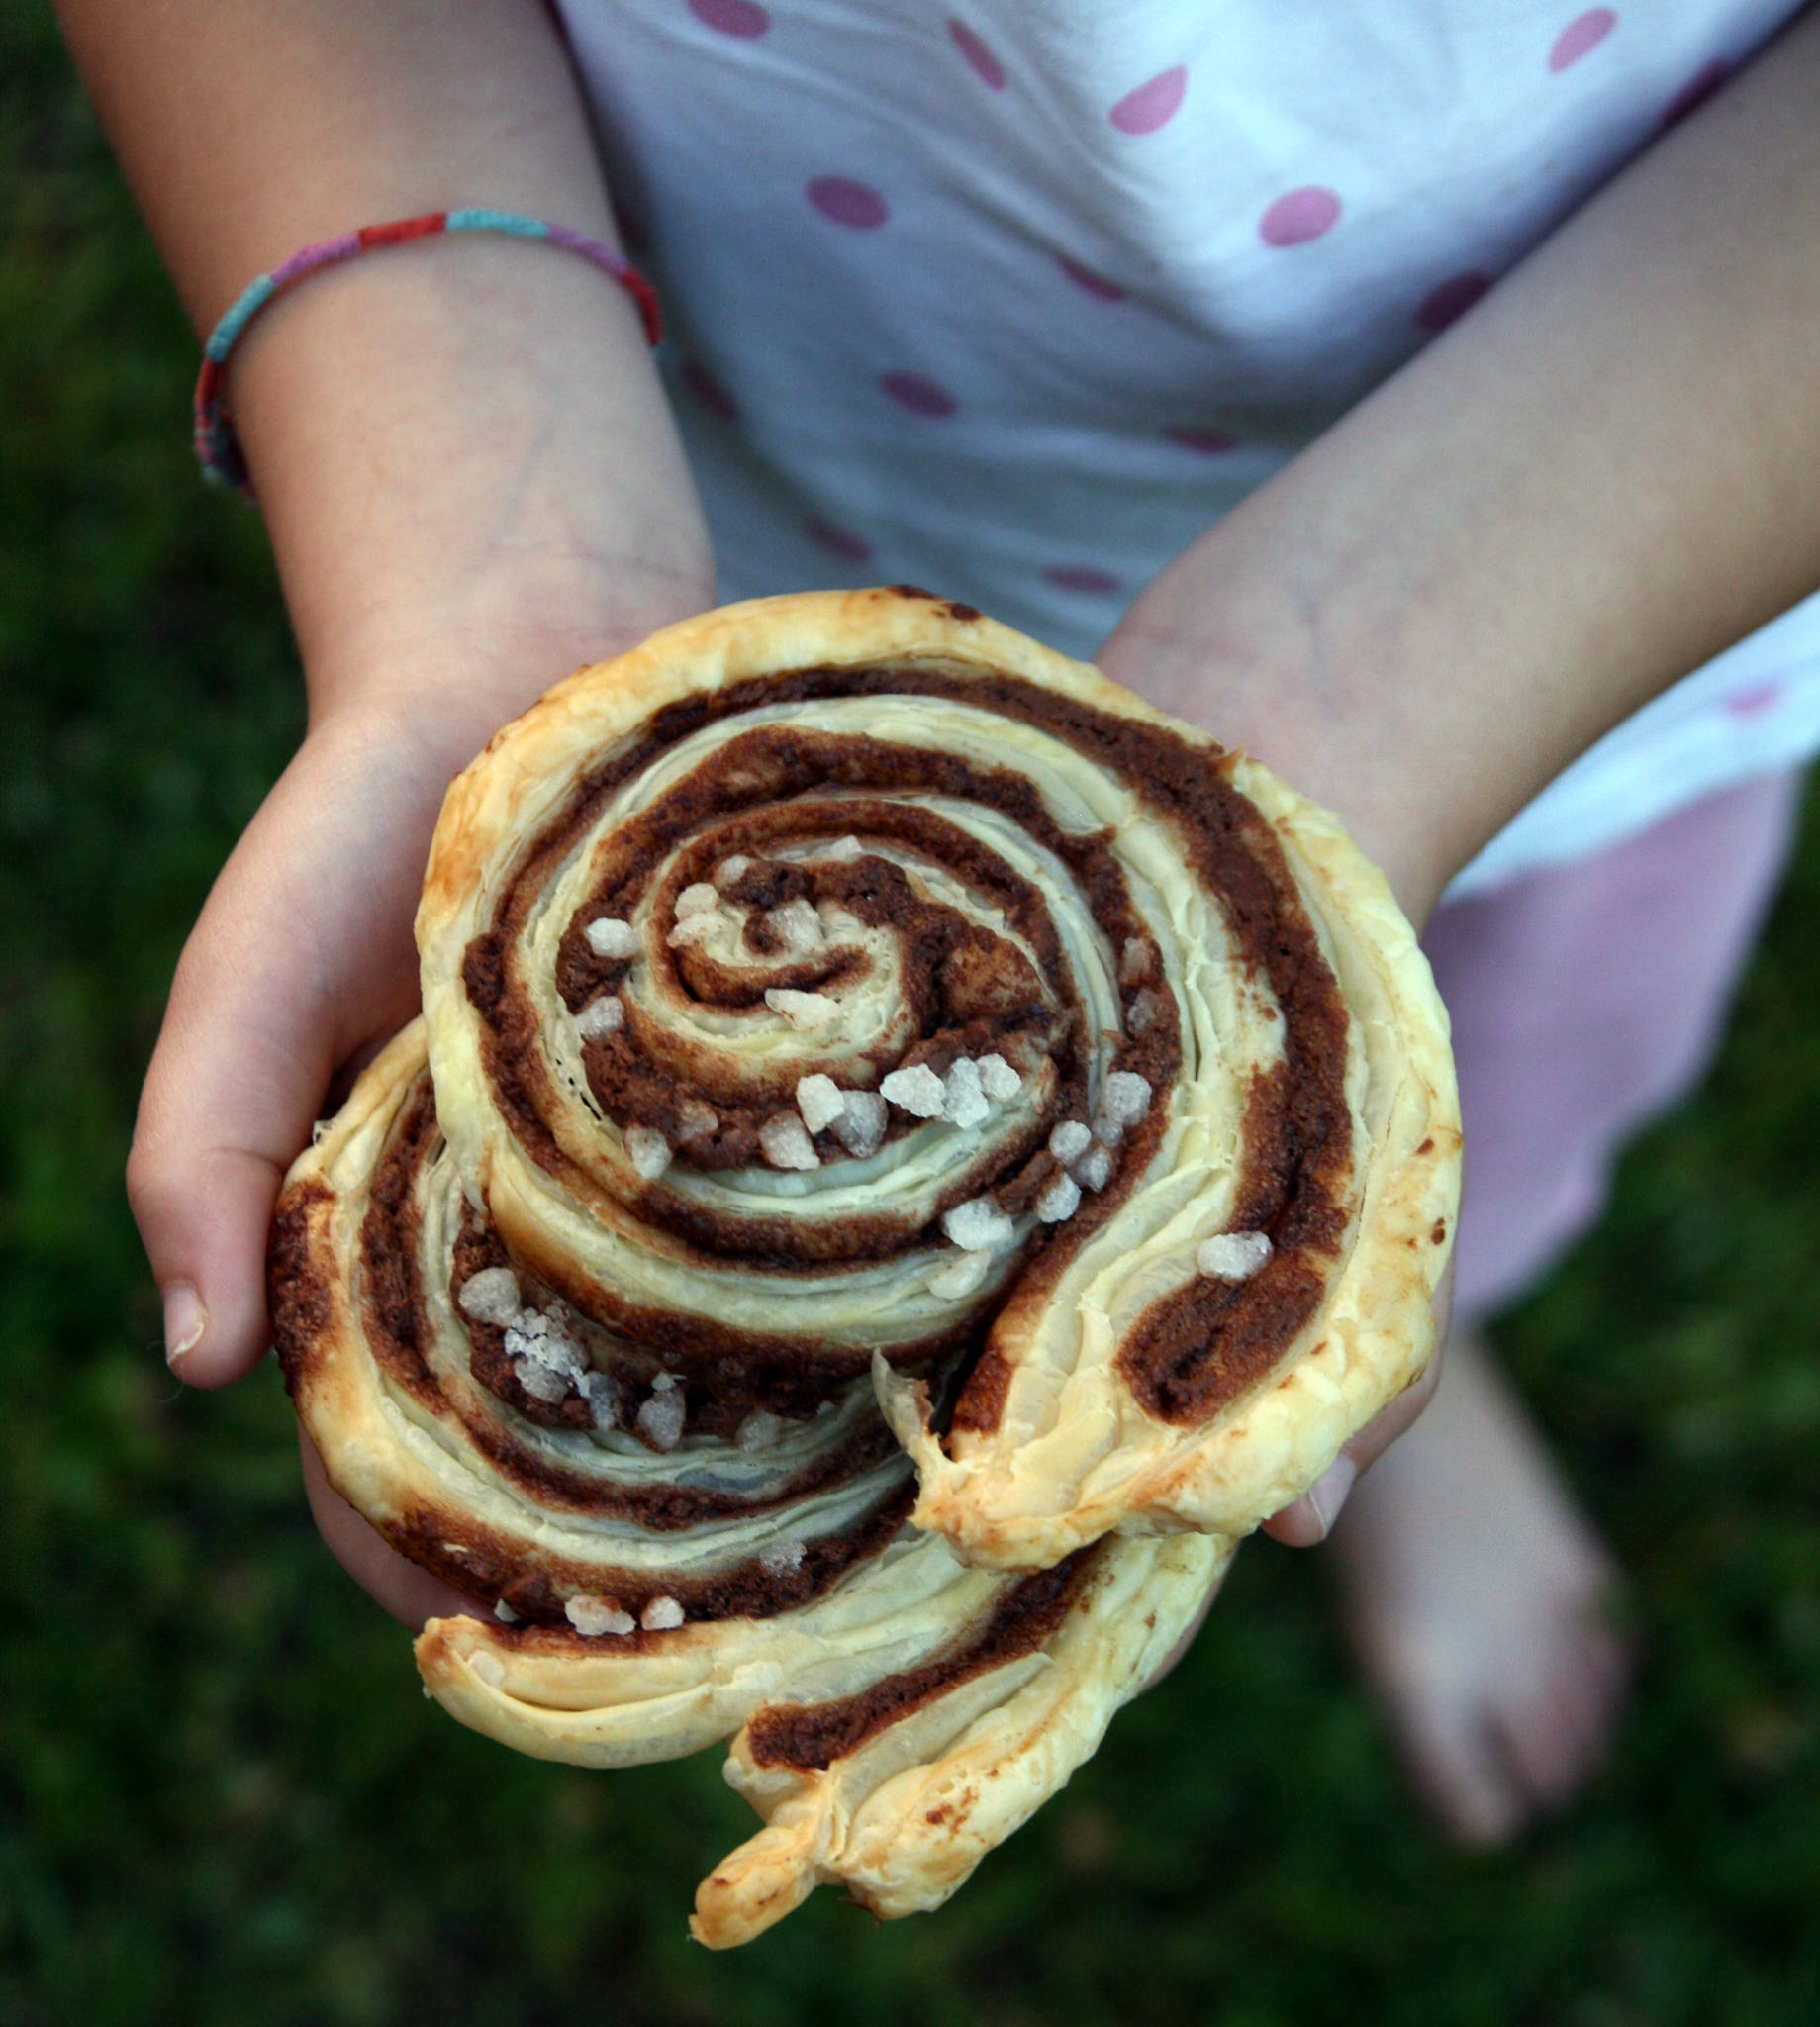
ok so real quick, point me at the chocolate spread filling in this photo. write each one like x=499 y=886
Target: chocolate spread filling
x=1192 y=1352
x=490 y=1567
x=815 y=1735
x=391 y=1250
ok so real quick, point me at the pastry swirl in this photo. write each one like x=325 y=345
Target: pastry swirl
x=908 y=1156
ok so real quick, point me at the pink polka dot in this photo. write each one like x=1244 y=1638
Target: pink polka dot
x=1441 y=306
x=1152 y=105
x=1094 y=284
x=1083 y=577
x=731 y=17
x=1203 y=442
x=1583 y=35
x=1695 y=92
x=1299 y=215
x=700 y=382
x=981 y=61
x=920 y=394
x=847 y=203
x=1754 y=701
x=839 y=541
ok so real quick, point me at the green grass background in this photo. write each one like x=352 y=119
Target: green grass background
x=223 y=1798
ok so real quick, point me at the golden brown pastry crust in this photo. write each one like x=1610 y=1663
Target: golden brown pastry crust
x=938 y=845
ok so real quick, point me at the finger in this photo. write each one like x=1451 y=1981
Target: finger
x=1306 y=1522
x=228 y=1098
x=302 y=950
x=411 y=1594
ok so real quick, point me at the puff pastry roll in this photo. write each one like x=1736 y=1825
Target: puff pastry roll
x=908 y=1155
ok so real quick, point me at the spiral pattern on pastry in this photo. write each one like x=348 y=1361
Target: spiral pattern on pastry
x=844 y=1020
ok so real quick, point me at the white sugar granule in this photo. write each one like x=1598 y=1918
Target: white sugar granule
x=785 y=1557
x=955 y=1281
x=730 y=869
x=692 y=929
x=843 y=850
x=998 y=1080
x=1094 y=1168
x=1109 y=1132
x=593 y=1617
x=1059 y=1201
x=602 y=1394
x=1146 y=1010
x=820 y=1101
x=1234 y=1255
x=1126 y=1097
x=759 y=1430
x=605 y=1016
x=797 y=925
x=660 y=1420
x=491 y=1296
x=647 y=1150
x=978 y=1226
x=542 y=1382
x=661 y=1615
x=1070 y=1140
x=963 y=1102
x=505 y=1614
x=785 y=1144
x=918 y=1091
x=1134 y=961
x=534 y=1339
x=696 y=1120
x=802 y=1009
x=860 y=1129
x=699 y=899
x=612 y=937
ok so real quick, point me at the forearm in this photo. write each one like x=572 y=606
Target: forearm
x=460 y=447
x=1605 y=474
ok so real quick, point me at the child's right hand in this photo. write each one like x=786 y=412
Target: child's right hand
x=303 y=963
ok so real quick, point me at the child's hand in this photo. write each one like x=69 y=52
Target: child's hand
x=303 y=963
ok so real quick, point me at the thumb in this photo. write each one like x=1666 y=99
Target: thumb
x=228 y=1100
x=1308 y=1521
x=303 y=956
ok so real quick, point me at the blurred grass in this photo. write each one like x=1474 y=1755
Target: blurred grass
x=222 y=1797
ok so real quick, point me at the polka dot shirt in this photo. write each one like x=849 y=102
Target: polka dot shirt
x=1014 y=301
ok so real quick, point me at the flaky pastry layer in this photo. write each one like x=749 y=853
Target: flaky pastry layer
x=909 y=1154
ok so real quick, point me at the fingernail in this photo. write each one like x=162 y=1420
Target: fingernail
x=185 y=1319
x=1329 y=1492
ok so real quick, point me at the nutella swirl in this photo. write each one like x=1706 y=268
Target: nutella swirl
x=896 y=1122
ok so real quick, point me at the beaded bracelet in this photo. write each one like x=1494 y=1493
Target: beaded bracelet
x=218 y=450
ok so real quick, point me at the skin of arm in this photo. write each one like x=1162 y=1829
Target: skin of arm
x=1603 y=476
x=471 y=483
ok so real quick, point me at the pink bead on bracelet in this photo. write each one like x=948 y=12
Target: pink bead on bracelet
x=218 y=450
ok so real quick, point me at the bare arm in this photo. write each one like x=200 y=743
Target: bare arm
x=472 y=484
x=1603 y=476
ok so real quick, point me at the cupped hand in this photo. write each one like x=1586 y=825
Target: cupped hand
x=302 y=960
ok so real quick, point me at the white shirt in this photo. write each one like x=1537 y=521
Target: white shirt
x=1012 y=300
